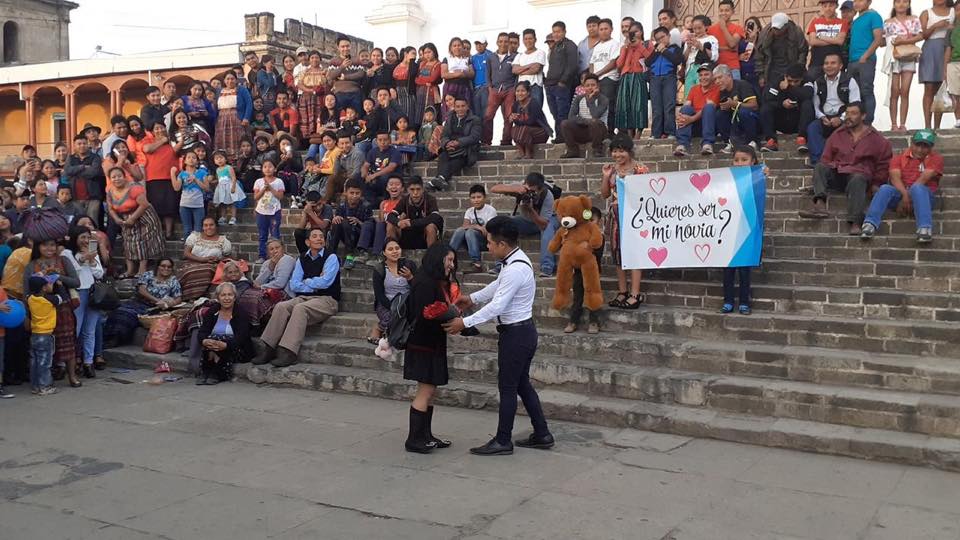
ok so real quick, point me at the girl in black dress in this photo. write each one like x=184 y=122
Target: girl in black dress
x=425 y=358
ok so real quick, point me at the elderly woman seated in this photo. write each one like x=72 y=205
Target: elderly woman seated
x=158 y=290
x=224 y=337
x=274 y=276
x=202 y=253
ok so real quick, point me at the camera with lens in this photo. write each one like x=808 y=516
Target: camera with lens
x=526 y=198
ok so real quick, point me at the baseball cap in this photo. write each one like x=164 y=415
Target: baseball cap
x=480 y=39
x=848 y=5
x=779 y=20
x=828 y=2
x=925 y=136
x=302 y=50
x=706 y=66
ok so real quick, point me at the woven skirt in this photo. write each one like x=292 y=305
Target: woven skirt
x=407 y=103
x=307 y=107
x=195 y=279
x=143 y=241
x=632 y=102
x=229 y=132
x=65 y=335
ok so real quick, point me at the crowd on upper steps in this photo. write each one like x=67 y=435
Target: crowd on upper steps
x=333 y=143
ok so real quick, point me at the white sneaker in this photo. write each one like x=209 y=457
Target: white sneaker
x=728 y=149
x=222 y=221
x=680 y=150
x=752 y=144
x=233 y=221
x=706 y=150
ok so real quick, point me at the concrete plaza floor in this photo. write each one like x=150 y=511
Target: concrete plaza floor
x=123 y=459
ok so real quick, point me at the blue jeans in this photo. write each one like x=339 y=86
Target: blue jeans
x=663 y=94
x=735 y=73
x=88 y=320
x=548 y=261
x=558 y=101
x=267 y=227
x=537 y=92
x=889 y=197
x=481 y=95
x=350 y=98
x=740 y=129
x=191 y=219
x=471 y=238
x=316 y=152
x=865 y=74
x=706 y=126
x=817 y=135
x=41 y=358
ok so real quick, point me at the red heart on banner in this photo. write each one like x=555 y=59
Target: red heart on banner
x=657 y=255
x=722 y=201
x=644 y=234
x=700 y=180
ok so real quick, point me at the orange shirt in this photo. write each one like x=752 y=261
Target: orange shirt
x=698 y=97
x=631 y=58
x=136 y=147
x=126 y=203
x=160 y=162
x=728 y=56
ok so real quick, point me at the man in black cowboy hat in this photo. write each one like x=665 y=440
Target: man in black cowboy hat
x=92 y=134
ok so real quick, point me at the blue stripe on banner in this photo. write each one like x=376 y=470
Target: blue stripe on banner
x=621 y=196
x=752 y=189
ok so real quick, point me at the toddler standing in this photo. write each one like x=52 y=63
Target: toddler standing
x=228 y=192
x=42 y=304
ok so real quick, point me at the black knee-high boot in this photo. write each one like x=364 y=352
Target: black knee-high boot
x=416 y=439
x=440 y=443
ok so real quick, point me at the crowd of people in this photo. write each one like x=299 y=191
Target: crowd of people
x=334 y=139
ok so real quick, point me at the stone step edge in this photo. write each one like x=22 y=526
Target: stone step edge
x=863 y=443
x=323 y=345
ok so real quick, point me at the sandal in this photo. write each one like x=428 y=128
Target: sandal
x=727 y=308
x=744 y=309
x=635 y=305
x=618 y=301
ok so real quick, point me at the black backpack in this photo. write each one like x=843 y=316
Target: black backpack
x=555 y=189
x=401 y=321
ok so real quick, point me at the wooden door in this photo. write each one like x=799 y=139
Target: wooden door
x=801 y=11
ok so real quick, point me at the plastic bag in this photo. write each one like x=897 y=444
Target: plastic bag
x=160 y=338
x=943 y=102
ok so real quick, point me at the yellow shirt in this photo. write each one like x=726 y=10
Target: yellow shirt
x=13 y=271
x=43 y=313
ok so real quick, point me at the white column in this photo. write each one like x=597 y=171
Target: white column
x=397 y=21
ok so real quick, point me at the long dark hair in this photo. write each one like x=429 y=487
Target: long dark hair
x=431 y=266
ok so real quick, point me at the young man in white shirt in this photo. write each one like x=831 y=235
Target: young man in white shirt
x=603 y=64
x=509 y=300
x=528 y=65
x=472 y=233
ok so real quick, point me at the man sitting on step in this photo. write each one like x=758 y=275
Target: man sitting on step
x=699 y=114
x=787 y=108
x=587 y=121
x=832 y=93
x=459 y=144
x=416 y=221
x=914 y=176
x=855 y=157
x=316 y=282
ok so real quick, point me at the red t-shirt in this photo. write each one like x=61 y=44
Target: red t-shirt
x=285 y=119
x=911 y=168
x=698 y=98
x=728 y=57
x=160 y=162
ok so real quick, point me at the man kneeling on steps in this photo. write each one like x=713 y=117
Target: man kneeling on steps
x=316 y=282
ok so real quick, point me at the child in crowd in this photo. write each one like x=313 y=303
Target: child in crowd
x=65 y=200
x=394 y=194
x=228 y=192
x=473 y=234
x=311 y=177
x=205 y=163
x=268 y=192
x=662 y=67
x=425 y=134
x=351 y=123
x=261 y=123
x=42 y=304
x=576 y=309
x=353 y=221
x=404 y=139
x=743 y=156
x=244 y=166
x=191 y=182
x=317 y=214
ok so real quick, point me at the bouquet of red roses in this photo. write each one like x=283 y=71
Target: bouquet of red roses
x=441 y=312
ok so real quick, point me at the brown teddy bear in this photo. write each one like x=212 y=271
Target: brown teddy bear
x=575 y=241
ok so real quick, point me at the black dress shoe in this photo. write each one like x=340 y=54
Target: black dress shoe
x=89 y=372
x=267 y=353
x=541 y=443
x=493 y=448
x=285 y=357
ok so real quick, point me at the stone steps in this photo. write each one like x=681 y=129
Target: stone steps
x=868 y=443
x=809 y=300
x=805 y=364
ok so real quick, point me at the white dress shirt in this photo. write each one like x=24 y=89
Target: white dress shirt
x=831 y=106
x=510 y=296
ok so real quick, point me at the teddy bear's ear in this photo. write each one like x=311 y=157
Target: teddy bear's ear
x=586 y=202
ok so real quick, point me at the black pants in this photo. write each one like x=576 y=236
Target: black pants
x=448 y=167
x=576 y=311
x=774 y=117
x=608 y=88
x=729 y=274
x=854 y=185
x=515 y=350
x=16 y=365
x=346 y=233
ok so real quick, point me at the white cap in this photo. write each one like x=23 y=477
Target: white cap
x=480 y=39
x=779 y=20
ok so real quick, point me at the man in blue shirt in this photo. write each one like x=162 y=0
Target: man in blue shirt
x=316 y=282
x=481 y=77
x=866 y=36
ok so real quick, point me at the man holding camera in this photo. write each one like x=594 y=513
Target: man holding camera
x=534 y=214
